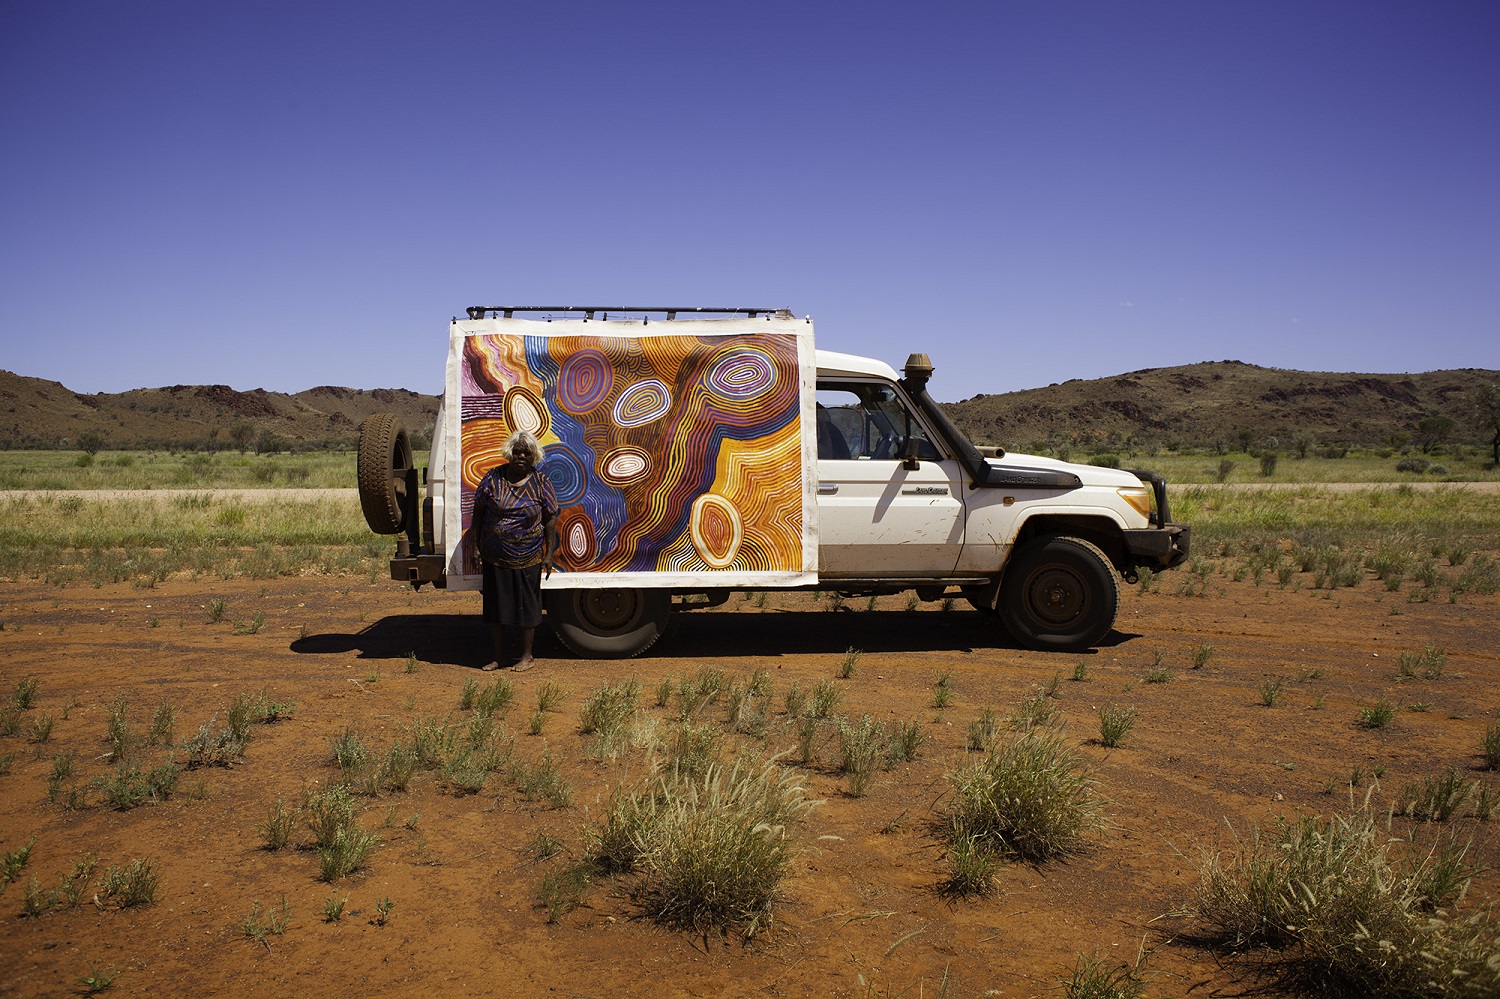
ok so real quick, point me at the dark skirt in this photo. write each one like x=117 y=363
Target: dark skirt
x=513 y=597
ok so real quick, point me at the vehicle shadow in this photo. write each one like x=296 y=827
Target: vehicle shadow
x=464 y=640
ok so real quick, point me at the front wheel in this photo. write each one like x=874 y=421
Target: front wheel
x=1059 y=594
x=608 y=623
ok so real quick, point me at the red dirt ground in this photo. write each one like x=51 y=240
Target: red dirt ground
x=861 y=915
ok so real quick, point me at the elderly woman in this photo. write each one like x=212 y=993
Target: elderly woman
x=515 y=530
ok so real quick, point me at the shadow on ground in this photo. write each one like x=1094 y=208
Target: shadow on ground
x=463 y=640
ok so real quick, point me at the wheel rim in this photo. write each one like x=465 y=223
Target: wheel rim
x=609 y=610
x=1056 y=595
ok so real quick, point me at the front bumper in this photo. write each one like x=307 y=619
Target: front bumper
x=1158 y=547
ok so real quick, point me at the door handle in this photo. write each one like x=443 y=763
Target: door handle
x=827 y=488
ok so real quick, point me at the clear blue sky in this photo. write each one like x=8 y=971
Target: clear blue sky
x=285 y=195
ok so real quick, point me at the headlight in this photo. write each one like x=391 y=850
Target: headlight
x=1139 y=498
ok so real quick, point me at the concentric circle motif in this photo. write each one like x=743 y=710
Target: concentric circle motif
x=524 y=410
x=742 y=373
x=717 y=530
x=643 y=402
x=586 y=379
x=565 y=469
x=576 y=532
x=483 y=441
x=625 y=465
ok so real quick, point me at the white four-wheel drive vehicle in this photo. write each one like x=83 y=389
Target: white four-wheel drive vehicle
x=692 y=456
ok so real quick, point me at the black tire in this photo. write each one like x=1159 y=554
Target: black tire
x=1059 y=595
x=608 y=623
x=384 y=458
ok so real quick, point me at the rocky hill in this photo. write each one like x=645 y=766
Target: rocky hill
x=43 y=414
x=1193 y=405
x=1197 y=405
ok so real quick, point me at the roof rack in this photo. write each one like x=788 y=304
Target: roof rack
x=509 y=311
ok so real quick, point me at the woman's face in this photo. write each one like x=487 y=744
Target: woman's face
x=522 y=457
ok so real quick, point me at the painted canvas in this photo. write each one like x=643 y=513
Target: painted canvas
x=676 y=449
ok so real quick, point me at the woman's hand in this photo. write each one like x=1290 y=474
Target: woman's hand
x=547 y=567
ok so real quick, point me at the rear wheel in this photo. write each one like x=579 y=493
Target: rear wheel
x=608 y=623
x=384 y=459
x=1059 y=594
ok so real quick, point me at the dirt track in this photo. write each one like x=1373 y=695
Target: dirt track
x=863 y=901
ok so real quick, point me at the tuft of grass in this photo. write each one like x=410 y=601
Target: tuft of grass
x=207 y=748
x=97 y=978
x=24 y=695
x=1350 y=917
x=348 y=749
x=1202 y=655
x=563 y=889
x=1378 y=715
x=825 y=697
x=861 y=746
x=41 y=728
x=1034 y=709
x=848 y=662
x=412 y=663
x=541 y=781
x=215 y=609
x=1270 y=692
x=550 y=695
x=942 y=690
x=1491 y=747
x=333 y=907
x=494 y=698
x=794 y=700
x=12 y=862
x=258 y=925
x=1096 y=978
x=117 y=732
x=982 y=731
x=1080 y=671
x=163 y=721
x=1158 y=674
x=606 y=710
x=383 y=909
x=1030 y=798
x=130 y=786
x=132 y=885
x=276 y=831
x=1115 y=723
x=971 y=866
x=710 y=851
x=349 y=851
x=1437 y=799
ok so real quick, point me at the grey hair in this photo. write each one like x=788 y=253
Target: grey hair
x=523 y=437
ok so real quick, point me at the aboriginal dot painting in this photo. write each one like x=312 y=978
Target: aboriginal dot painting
x=669 y=454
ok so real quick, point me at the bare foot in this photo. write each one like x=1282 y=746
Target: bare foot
x=490 y=667
x=522 y=665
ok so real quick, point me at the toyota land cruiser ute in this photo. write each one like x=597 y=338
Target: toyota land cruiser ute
x=693 y=456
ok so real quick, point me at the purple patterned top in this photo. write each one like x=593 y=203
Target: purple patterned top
x=510 y=520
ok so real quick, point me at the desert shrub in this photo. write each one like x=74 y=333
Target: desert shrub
x=1105 y=460
x=1030 y=798
x=207 y=748
x=1328 y=893
x=1412 y=463
x=711 y=849
x=1268 y=461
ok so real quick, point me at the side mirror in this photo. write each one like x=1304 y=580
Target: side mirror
x=909 y=455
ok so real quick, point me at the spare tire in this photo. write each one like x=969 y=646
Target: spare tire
x=384 y=459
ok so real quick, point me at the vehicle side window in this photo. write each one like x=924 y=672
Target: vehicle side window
x=867 y=421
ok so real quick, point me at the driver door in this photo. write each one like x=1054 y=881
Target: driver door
x=878 y=518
